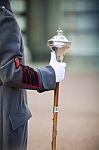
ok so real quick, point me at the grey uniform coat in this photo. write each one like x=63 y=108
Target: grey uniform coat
x=15 y=78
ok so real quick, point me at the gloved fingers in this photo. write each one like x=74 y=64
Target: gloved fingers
x=60 y=77
x=60 y=72
x=63 y=64
x=53 y=57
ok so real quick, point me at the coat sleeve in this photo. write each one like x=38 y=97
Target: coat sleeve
x=13 y=72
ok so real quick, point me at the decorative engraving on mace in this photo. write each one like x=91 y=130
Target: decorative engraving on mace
x=60 y=44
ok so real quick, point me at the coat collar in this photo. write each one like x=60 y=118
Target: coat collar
x=6 y=4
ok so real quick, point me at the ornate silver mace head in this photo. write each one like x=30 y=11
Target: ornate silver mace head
x=59 y=43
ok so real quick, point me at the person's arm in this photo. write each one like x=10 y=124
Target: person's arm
x=13 y=72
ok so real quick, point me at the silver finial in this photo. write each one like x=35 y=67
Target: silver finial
x=59 y=31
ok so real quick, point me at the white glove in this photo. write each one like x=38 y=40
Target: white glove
x=59 y=67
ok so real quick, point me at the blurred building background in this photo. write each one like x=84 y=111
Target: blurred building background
x=39 y=21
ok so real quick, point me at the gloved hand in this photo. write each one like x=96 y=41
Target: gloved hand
x=59 y=67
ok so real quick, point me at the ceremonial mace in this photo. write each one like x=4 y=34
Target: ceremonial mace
x=60 y=44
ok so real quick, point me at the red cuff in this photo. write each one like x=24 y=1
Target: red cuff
x=30 y=77
x=17 y=62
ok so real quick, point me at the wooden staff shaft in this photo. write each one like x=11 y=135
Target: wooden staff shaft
x=55 y=116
